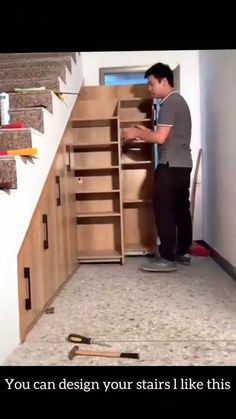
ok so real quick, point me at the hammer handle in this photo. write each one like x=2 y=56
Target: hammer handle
x=107 y=354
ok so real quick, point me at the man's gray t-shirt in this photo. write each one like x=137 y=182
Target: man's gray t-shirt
x=174 y=112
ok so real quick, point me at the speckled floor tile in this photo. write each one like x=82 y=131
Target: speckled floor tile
x=183 y=318
x=151 y=353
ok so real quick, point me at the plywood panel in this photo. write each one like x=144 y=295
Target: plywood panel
x=99 y=234
x=95 y=109
x=135 y=108
x=99 y=134
x=96 y=92
x=118 y=92
x=100 y=180
x=98 y=203
x=139 y=227
x=96 y=158
x=137 y=184
x=132 y=91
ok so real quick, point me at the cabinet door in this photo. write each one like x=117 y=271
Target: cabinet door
x=61 y=215
x=70 y=187
x=48 y=231
x=30 y=277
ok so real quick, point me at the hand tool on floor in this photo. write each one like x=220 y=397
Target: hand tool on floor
x=73 y=337
x=49 y=310
x=76 y=351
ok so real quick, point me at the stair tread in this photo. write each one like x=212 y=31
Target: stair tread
x=36 y=92
x=20 y=130
x=28 y=108
x=30 y=55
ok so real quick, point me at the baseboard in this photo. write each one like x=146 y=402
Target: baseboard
x=222 y=262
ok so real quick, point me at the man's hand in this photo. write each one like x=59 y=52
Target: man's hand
x=129 y=133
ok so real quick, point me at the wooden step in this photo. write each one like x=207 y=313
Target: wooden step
x=31 y=99
x=32 y=73
x=15 y=138
x=8 y=178
x=32 y=117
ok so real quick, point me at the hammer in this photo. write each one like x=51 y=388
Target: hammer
x=76 y=351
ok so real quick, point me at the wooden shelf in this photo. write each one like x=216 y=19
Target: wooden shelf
x=139 y=247
x=99 y=254
x=97 y=192
x=94 y=146
x=135 y=120
x=124 y=102
x=88 y=169
x=136 y=163
x=98 y=214
x=92 y=122
x=135 y=142
x=137 y=201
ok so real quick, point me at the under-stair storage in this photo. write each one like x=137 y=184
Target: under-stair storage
x=48 y=255
x=137 y=163
x=30 y=278
x=113 y=181
x=97 y=174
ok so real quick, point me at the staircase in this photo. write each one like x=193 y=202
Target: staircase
x=22 y=178
x=50 y=70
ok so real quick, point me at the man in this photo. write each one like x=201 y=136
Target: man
x=172 y=175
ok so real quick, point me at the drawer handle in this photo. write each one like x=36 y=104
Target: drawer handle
x=28 y=289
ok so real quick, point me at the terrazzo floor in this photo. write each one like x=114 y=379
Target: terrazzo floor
x=187 y=317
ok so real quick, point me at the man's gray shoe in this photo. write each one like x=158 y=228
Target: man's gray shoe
x=184 y=259
x=160 y=265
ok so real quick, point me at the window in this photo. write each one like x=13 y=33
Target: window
x=122 y=75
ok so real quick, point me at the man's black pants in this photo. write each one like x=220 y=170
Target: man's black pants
x=172 y=210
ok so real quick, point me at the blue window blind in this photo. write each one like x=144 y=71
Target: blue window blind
x=124 y=78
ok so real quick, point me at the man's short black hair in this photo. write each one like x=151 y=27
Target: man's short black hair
x=159 y=71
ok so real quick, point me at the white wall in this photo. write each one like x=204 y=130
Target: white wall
x=16 y=209
x=189 y=88
x=218 y=96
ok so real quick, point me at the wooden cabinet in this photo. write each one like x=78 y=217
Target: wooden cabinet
x=96 y=205
x=113 y=183
x=48 y=254
x=31 y=289
x=48 y=227
x=137 y=176
x=38 y=269
x=99 y=202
